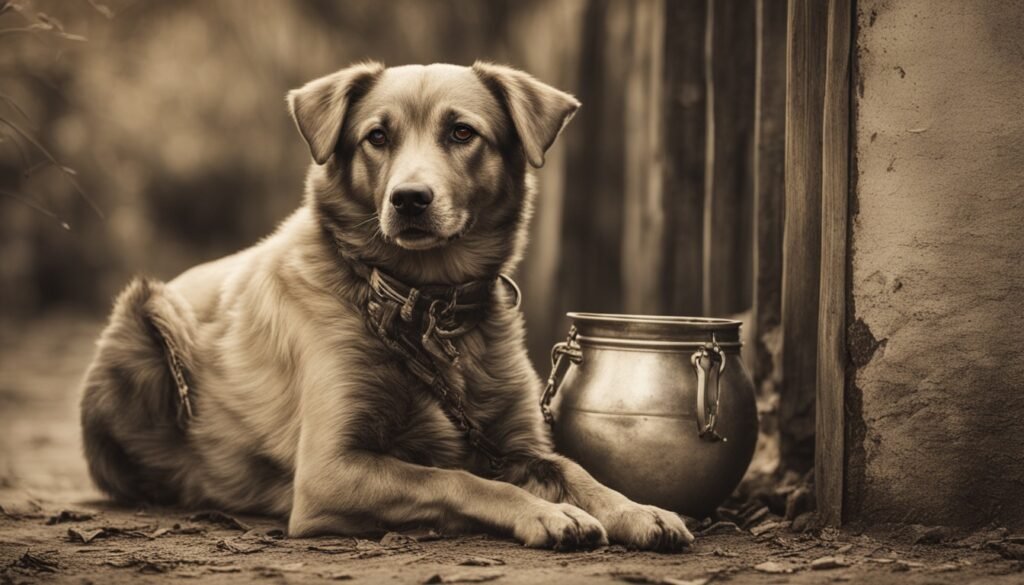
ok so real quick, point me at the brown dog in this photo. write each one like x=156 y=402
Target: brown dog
x=364 y=366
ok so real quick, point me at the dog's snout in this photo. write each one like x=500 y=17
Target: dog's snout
x=411 y=199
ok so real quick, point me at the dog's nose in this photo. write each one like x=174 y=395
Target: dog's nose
x=411 y=199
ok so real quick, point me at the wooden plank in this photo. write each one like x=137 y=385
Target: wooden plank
x=729 y=248
x=589 y=278
x=805 y=75
x=831 y=371
x=769 y=191
x=644 y=222
x=684 y=102
x=544 y=39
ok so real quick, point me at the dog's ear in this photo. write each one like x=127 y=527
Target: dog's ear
x=319 y=107
x=538 y=111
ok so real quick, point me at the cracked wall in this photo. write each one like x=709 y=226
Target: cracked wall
x=936 y=337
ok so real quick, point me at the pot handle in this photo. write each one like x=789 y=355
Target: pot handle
x=709 y=363
x=563 y=355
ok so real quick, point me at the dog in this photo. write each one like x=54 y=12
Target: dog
x=363 y=368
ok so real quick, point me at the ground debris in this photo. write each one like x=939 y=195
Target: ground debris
x=275 y=571
x=267 y=537
x=336 y=547
x=235 y=545
x=220 y=519
x=69 y=516
x=397 y=539
x=21 y=510
x=179 y=529
x=629 y=577
x=146 y=566
x=482 y=562
x=825 y=563
x=901 y=566
x=980 y=539
x=88 y=535
x=770 y=527
x=36 y=562
x=722 y=527
x=775 y=567
x=85 y=536
x=930 y=534
x=1008 y=550
x=334 y=575
x=464 y=577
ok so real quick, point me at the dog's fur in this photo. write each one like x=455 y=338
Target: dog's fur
x=300 y=410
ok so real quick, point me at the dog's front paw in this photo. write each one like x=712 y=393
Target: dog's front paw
x=559 y=526
x=646 y=527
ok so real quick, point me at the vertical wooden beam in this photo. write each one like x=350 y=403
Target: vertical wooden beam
x=805 y=75
x=684 y=102
x=728 y=272
x=544 y=39
x=769 y=190
x=835 y=189
x=643 y=220
x=592 y=228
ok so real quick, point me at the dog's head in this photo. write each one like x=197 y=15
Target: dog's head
x=421 y=161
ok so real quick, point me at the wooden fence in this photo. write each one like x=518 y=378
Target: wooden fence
x=666 y=196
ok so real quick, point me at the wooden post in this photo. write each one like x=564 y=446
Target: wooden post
x=643 y=220
x=769 y=190
x=729 y=208
x=684 y=96
x=592 y=226
x=544 y=39
x=805 y=55
x=835 y=189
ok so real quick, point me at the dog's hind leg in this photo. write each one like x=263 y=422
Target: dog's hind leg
x=134 y=441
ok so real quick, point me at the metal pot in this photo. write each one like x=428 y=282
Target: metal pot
x=658 y=408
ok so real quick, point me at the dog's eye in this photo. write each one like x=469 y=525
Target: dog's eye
x=377 y=137
x=462 y=133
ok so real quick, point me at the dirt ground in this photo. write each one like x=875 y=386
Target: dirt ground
x=54 y=527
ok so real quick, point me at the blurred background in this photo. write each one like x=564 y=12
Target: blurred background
x=151 y=136
x=147 y=137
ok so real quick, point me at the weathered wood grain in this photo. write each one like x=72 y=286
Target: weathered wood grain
x=835 y=185
x=805 y=55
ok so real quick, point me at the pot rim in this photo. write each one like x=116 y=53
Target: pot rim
x=705 y=322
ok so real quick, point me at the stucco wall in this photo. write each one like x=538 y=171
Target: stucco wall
x=936 y=400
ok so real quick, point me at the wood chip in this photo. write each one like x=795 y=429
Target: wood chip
x=464 y=578
x=158 y=533
x=769 y=527
x=774 y=567
x=239 y=547
x=37 y=563
x=721 y=528
x=85 y=536
x=220 y=519
x=825 y=563
x=700 y=581
x=482 y=562
x=396 y=539
x=69 y=516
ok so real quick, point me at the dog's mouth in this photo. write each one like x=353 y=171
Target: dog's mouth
x=418 y=239
x=423 y=238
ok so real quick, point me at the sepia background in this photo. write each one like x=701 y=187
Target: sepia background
x=845 y=176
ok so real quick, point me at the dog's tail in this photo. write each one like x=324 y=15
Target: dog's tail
x=134 y=441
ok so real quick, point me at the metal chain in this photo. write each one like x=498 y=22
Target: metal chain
x=424 y=351
x=563 y=355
